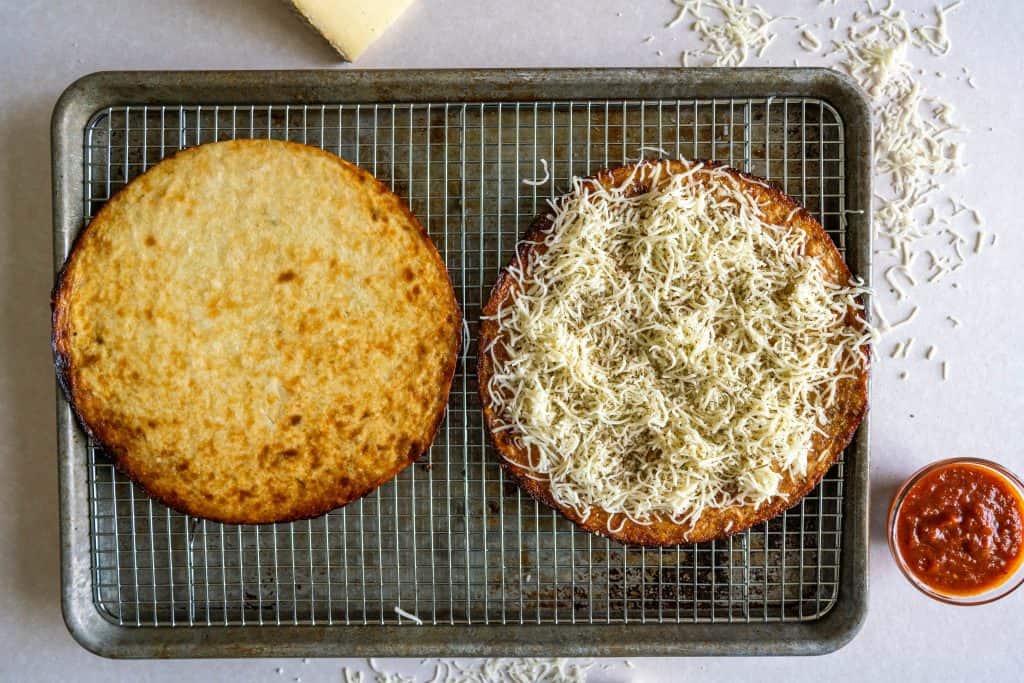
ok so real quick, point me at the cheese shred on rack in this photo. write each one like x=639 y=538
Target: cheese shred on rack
x=671 y=352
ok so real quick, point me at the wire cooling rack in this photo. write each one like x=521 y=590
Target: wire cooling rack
x=451 y=540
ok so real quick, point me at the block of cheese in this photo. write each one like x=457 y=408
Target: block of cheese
x=350 y=25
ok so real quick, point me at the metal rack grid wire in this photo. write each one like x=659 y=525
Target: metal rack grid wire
x=451 y=540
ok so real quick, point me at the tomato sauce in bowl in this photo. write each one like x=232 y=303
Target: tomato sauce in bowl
x=956 y=530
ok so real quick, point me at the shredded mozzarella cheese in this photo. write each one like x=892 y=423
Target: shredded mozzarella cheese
x=916 y=139
x=809 y=42
x=671 y=352
x=910 y=317
x=739 y=28
x=541 y=670
x=408 y=615
x=537 y=182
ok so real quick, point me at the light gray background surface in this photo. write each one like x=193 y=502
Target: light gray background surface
x=46 y=45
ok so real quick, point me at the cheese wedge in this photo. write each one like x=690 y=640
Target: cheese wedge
x=350 y=26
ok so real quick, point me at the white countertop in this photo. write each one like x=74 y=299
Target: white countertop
x=976 y=412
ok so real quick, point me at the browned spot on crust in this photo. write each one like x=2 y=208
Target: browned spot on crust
x=407 y=274
x=294 y=419
x=150 y=241
x=289 y=453
x=846 y=415
x=314 y=256
x=287 y=276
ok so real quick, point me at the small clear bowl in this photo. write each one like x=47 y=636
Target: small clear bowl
x=1010 y=584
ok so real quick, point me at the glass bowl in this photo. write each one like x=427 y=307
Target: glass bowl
x=1007 y=586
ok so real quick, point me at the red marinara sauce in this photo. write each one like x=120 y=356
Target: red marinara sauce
x=960 y=529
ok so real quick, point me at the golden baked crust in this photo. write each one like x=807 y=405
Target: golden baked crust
x=256 y=331
x=844 y=416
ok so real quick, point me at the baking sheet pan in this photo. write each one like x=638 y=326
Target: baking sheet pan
x=487 y=570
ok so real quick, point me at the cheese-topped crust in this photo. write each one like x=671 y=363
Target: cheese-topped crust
x=675 y=353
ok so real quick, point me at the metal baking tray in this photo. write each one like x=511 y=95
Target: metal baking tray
x=487 y=570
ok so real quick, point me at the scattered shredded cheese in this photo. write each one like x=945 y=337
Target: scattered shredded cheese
x=935 y=38
x=945 y=370
x=906 y=347
x=536 y=182
x=809 y=41
x=931 y=352
x=407 y=615
x=465 y=340
x=671 y=352
x=738 y=29
x=883 y=325
x=910 y=317
x=659 y=150
x=917 y=140
x=548 y=670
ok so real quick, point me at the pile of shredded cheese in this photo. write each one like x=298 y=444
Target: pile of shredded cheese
x=671 y=352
